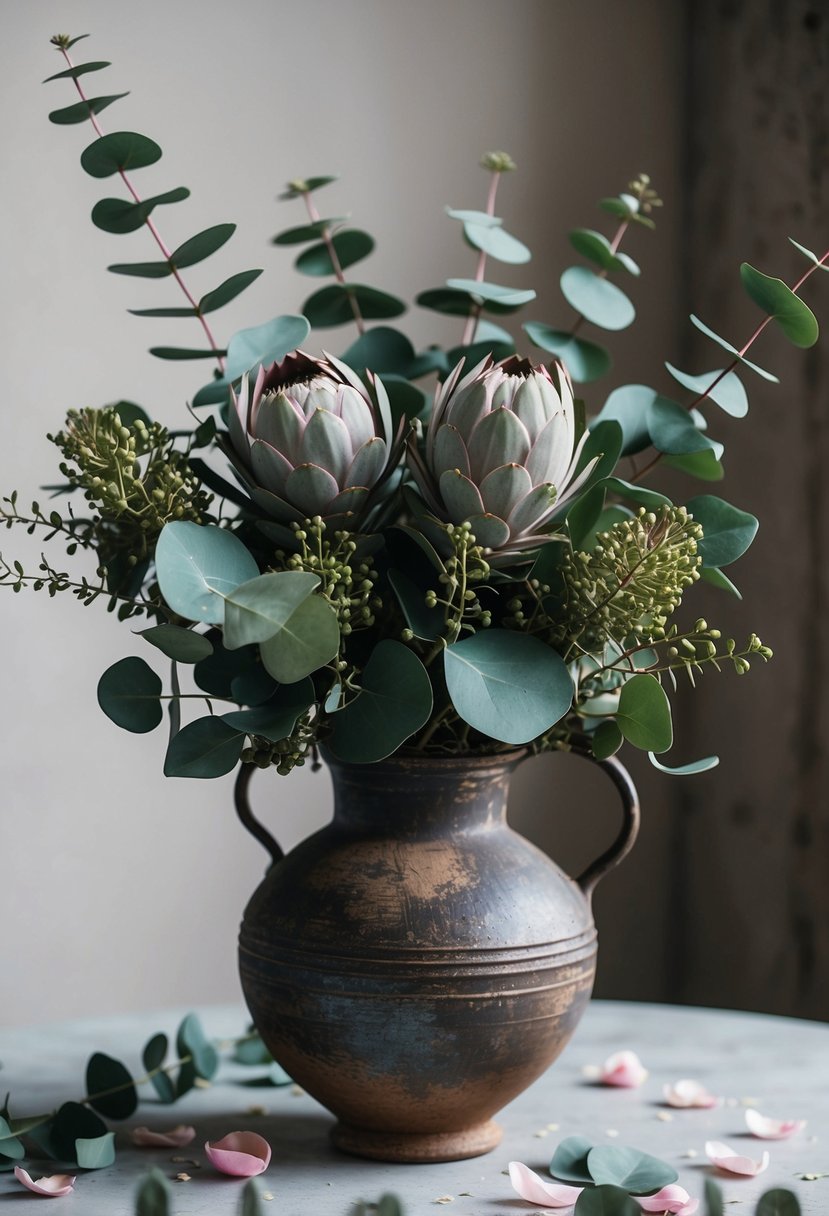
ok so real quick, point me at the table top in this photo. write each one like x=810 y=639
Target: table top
x=778 y=1065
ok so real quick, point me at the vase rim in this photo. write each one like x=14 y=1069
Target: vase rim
x=406 y=759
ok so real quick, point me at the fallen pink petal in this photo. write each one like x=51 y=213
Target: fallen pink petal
x=673 y=1199
x=623 y=1069
x=772 y=1129
x=733 y=1163
x=53 y=1186
x=242 y=1154
x=534 y=1189
x=687 y=1095
x=176 y=1137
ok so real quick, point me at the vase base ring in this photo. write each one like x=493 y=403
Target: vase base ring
x=420 y=1147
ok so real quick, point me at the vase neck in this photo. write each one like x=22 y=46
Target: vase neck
x=423 y=796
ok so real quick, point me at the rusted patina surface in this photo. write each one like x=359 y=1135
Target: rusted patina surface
x=416 y=964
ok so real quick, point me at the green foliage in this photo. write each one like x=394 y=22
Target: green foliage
x=111 y=1087
x=395 y=701
x=154 y=1195
x=128 y=693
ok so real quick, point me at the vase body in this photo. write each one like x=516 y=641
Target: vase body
x=416 y=964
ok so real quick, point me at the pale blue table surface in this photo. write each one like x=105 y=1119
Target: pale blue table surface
x=781 y=1065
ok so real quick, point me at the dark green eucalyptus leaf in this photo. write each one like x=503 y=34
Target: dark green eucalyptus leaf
x=445 y=300
x=80 y=69
x=77 y=38
x=119 y=151
x=509 y=686
x=350 y=246
x=406 y=400
x=704 y=465
x=186 y=1079
x=10 y=1146
x=154 y=1195
x=382 y=350
x=181 y=352
x=606 y=740
x=389 y=1205
x=118 y=215
x=628 y=405
x=164 y=312
x=606 y=1201
x=585 y=361
x=727 y=531
x=177 y=643
x=604 y=441
x=596 y=248
x=153 y=1057
x=142 y=270
x=426 y=623
x=394 y=702
x=728 y=392
x=216 y=674
x=433 y=359
x=174 y=704
x=307 y=232
x=476 y=351
x=715 y=337
x=192 y=1041
x=251 y=1050
x=103 y=1073
x=601 y=302
x=710 y=574
x=205 y=748
x=277 y=718
x=129 y=694
x=81 y=110
x=227 y=291
x=778 y=301
x=713 y=1199
x=778 y=1202
x=584 y=514
x=644 y=714
x=651 y=500
x=569 y=1162
x=75 y=1122
x=250 y=1199
x=332 y=305
x=672 y=429
x=95 y=1153
x=200 y=246
x=301 y=186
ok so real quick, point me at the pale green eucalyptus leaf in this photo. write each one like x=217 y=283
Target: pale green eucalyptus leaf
x=727 y=530
x=197 y=565
x=496 y=243
x=306 y=641
x=585 y=361
x=715 y=337
x=597 y=300
x=685 y=770
x=205 y=748
x=259 y=608
x=95 y=1153
x=728 y=391
x=569 y=1162
x=606 y=1201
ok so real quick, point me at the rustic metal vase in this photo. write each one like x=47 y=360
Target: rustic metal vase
x=416 y=964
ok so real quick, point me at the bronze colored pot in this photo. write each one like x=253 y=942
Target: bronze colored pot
x=416 y=964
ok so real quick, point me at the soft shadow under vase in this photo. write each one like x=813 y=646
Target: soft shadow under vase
x=416 y=964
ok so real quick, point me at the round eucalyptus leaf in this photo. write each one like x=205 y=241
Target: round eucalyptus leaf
x=95 y=1153
x=732 y=350
x=672 y=429
x=121 y=150
x=713 y=1199
x=727 y=531
x=103 y=1073
x=778 y=1202
x=599 y=301
x=604 y=441
x=446 y=300
x=308 y=639
x=129 y=694
x=259 y=608
x=482 y=218
x=496 y=243
x=395 y=700
x=728 y=392
x=685 y=770
x=606 y=1201
x=644 y=714
x=635 y=1172
x=74 y=1121
x=569 y=1163
x=10 y=1147
x=153 y=1057
x=492 y=293
x=197 y=565
x=154 y=1195
x=596 y=248
x=651 y=500
x=606 y=740
x=268 y=343
x=585 y=361
x=191 y=1040
x=183 y=645
x=332 y=305
x=350 y=246
x=307 y=232
x=424 y=622
x=507 y=685
x=706 y=465
x=584 y=514
x=277 y=718
x=205 y=748
x=406 y=400
x=118 y=215
x=381 y=349
x=628 y=405
x=778 y=301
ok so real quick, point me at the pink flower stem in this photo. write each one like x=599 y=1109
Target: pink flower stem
x=166 y=253
x=474 y=317
x=735 y=362
x=325 y=233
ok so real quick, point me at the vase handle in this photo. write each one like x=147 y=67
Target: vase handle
x=626 y=839
x=242 y=804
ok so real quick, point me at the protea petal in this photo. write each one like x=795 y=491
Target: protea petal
x=357 y=417
x=532 y=403
x=270 y=468
x=327 y=443
x=368 y=464
x=499 y=438
x=252 y=413
x=281 y=424
x=450 y=450
x=489 y=530
x=311 y=489
x=469 y=407
x=533 y=508
x=461 y=496
x=504 y=488
x=551 y=453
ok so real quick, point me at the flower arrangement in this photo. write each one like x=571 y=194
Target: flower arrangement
x=450 y=551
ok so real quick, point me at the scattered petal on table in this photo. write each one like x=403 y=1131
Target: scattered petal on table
x=772 y=1129
x=624 y=1069
x=52 y=1186
x=673 y=1198
x=687 y=1094
x=242 y=1154
x=733 y=1163
x=535 y=1190
x=176 y=1137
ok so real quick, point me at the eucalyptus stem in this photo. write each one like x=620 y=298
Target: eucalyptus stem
x=325 y=233
x=165 y=251
x=474 y=317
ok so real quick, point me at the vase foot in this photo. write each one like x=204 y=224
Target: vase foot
x=412 y=1148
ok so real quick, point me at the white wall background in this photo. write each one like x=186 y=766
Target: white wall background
x=120 y=889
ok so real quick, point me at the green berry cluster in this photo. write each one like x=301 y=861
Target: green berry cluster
x=347 y=579
x=284 y=754
x=633 y=580
x=466 y=565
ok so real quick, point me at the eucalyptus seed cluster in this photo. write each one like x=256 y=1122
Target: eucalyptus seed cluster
x=703 y=645
x=133 y=475
x=466 y=565
x=285 y=754
x=347 y=580
x=633 y=580
x=642 y=190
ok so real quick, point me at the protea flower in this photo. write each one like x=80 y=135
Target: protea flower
x=500 y=452
x=309 y=440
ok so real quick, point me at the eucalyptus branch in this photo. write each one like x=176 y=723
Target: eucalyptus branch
x=53 y=581
x=166 y=252
x=81 y=532
x=500 y=163
x=327 y=237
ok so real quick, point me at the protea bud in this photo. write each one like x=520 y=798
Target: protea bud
x=309 y=440
x=500 y=452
